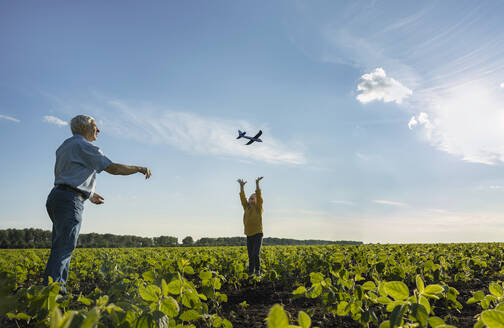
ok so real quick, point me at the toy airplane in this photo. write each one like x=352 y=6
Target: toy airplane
x=252 y=139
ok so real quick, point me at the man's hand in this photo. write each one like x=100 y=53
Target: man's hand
x=241 y=182
x=96 y=199
x=145 y=171
x=259 y=179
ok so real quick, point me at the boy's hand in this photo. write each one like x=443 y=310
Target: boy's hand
x=241 y=182
x=259 y=179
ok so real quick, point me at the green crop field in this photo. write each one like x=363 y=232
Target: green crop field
x=434 y=285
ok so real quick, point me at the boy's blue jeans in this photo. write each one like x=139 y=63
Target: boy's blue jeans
x=254 y=248
x=65 y=210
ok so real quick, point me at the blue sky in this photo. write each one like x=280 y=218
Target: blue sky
x=383 y=120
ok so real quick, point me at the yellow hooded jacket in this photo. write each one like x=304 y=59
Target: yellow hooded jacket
x=252 y=216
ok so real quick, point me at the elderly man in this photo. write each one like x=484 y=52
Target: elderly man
x=252 y=220
x=77 y=162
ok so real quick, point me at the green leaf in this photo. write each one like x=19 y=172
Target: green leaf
x=189 y=270
x=145 y=321
x=217 y=322
x=55 y=318
x=112 y=307
x=343 y=309
x=20 y=316
x=84 y=300
x=390 y=307
x=190 y=315
x=227 y=324
x=496 y=289
x=478 y=296
x=396 y=316
x=425 y=302
x=205 y=275
x=420 y=284
x=149 y=276
x=385 y=324
x=485 y=303
x=436 y=322
x=384 y=300
x=277 y=317
x=150 y=293
x=433 y=289
x=102 y=301
x=369 y=285
x=170 y=307
x=316 y=277
x=420 y=313
x=479 y=324
x=160 y=319
x=493 y=318
x=174 y=287
x=398 y=290
x=381 y=289
x=67 y=319
x=92 y=318
x=299 y=291
x=304 y=320
x=314 y=291
x=164 y=287
x=217 y=283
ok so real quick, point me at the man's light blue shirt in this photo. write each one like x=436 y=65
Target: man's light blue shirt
x=77 y=162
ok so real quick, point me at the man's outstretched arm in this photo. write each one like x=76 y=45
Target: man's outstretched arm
x=121 y=169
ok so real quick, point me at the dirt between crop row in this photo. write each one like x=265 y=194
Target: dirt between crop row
x=261 y=296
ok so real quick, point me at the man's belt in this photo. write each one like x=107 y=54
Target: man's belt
x=70 y=188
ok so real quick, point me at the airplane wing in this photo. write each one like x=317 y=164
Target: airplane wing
x=258 y=134
x=251 y=141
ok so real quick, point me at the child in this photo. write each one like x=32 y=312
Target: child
x=252 y=220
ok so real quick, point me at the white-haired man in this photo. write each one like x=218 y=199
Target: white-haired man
x=77 y=162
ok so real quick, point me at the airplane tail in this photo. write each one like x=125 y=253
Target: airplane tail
x=240 y=134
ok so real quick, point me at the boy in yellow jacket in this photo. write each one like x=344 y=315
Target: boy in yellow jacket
x=252 y=220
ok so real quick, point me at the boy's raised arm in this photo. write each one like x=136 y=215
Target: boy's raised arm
x=242 y=193
x=258 y=192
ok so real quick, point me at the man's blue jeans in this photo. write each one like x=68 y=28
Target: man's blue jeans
x=65 y=210
x=254 y=248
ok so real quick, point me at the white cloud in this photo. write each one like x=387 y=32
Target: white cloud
x=55 y=120
x=422 y=120
x=342 y=202
x=195 y=133
x=412 y=122
x=377 y=86
x=389 y=202
x=9 y=118
x=456 y=75
x=468 y=122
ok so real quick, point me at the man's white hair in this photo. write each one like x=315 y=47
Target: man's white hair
x=80 y=123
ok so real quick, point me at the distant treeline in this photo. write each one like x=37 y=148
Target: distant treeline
x=38 y=238
x=268 y=241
